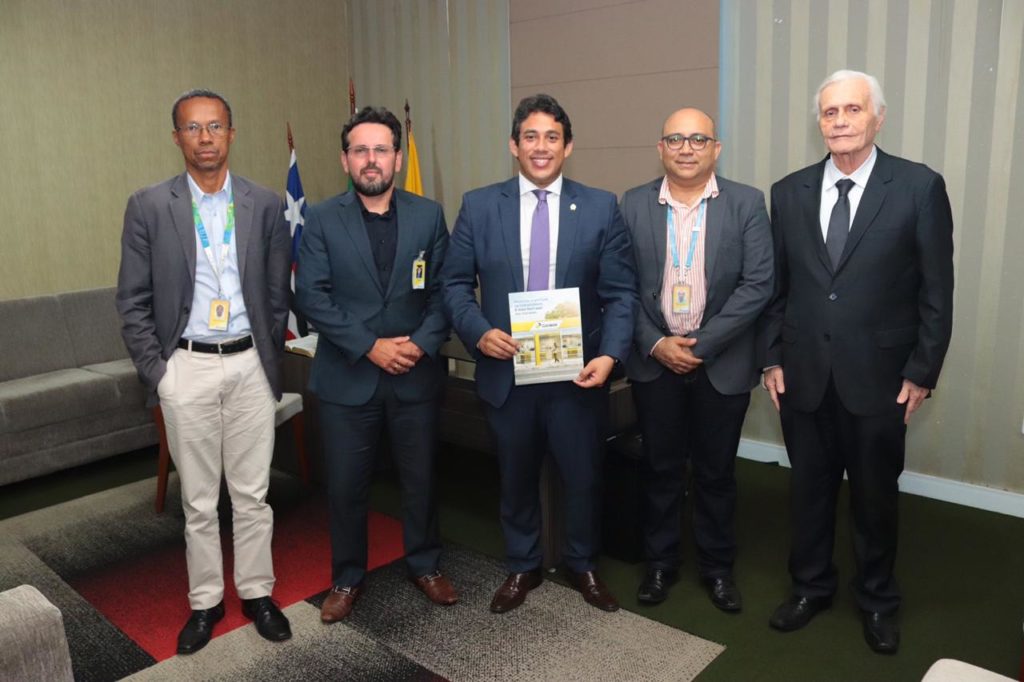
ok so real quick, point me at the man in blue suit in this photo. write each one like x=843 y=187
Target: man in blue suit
x=368 y=280
x=542 y=231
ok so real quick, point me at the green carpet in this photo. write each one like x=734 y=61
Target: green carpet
x=960 y=571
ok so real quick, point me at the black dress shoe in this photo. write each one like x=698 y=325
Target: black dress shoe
x=881 y=632
x=724 y=593
x=655 y=585
x=797 y=611
x=270 y=622
x=199 y=628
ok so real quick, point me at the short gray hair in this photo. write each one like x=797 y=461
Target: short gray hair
x=877 y=98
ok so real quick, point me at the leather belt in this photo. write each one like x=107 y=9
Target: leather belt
x=226 y=348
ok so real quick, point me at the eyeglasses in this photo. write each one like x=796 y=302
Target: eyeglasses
x=216 y=129
x=697 y=141
x=361 y=151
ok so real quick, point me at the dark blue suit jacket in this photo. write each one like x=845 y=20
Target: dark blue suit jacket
x=594 y=254
x=337 y=288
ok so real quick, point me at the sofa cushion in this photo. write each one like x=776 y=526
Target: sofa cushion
x=131 y=393
x=34 y=338
x=53 y=397
x=93 y=325
x=49 y=436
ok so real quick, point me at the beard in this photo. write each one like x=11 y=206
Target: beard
x=373 y=188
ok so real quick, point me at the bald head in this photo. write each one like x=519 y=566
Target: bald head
x=690 y=162
x=689 y=118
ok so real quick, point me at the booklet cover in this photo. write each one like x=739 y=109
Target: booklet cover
x=548 y=328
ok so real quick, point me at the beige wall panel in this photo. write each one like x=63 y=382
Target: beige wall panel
x=615 y=170
x=525 y=10
x=616 y=94
x=608 y=119
x=86 y=113
x=617 y=40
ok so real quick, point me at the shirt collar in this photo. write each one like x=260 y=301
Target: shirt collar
x=665 y=193
x=198 y=194
x=525 y=186
x=859 y=176
x=386 y=215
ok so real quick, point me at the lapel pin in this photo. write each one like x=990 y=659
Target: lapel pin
x=572 y=207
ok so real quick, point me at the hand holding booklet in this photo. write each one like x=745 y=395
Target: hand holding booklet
x=548 y=327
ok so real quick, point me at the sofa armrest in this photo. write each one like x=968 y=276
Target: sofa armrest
x=32 y=641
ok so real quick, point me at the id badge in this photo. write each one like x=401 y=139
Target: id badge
x=681 y=299
x=419 y=272
x=220 y=311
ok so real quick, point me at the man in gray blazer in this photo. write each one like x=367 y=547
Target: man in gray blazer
x=703 y=251
x=368 y=280
x=203 y=297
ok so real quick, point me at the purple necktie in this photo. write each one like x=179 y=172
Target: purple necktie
x=540 y=244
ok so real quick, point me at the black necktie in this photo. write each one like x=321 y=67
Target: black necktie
x=839 y=223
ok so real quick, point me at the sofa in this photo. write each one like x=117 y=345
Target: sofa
x=68 y=392
x=32 y=641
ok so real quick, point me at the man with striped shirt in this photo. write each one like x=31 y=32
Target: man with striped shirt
x=703 y=252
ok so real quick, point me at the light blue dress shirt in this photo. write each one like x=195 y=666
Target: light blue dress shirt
x=213 y=210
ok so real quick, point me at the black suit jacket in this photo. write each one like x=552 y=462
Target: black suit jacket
x=885 y=313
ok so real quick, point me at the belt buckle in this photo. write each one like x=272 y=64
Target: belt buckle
x=220 y=349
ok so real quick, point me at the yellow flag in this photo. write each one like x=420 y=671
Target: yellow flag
x=413 y=181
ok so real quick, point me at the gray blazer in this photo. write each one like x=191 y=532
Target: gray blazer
x=158 y=265
x=739 y=270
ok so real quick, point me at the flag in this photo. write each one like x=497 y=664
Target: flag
x=413 y=180
x=295 y=214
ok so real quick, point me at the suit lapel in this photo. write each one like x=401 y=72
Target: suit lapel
x=181 y=215
x=811 y=200
x=870 y=203
x=405 y=246
x=244 y=212
x=714 y=215
x=568 y=229
x=658 y=226
x=508 y=215
x=350 y=217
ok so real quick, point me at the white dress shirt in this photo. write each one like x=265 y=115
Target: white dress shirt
x=830 y=195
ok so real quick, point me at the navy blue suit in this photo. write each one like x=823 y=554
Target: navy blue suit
x=594 y=254
x=339 y=290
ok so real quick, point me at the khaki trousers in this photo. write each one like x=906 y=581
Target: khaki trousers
x=219 y=414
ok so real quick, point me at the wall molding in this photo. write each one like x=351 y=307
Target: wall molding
x=913 y=483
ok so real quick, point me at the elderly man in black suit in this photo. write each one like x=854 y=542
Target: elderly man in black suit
x=855 y=337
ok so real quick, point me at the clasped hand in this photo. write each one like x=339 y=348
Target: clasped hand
x=395 y=355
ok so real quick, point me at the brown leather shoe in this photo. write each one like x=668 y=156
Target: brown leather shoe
x=513 y=591
x=437 y=588
x=339 y=603
x=594 y=591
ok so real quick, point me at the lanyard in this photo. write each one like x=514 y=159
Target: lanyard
x=229 y=229
x=693 y=235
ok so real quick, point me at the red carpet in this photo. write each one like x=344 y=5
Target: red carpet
x=146 y=597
